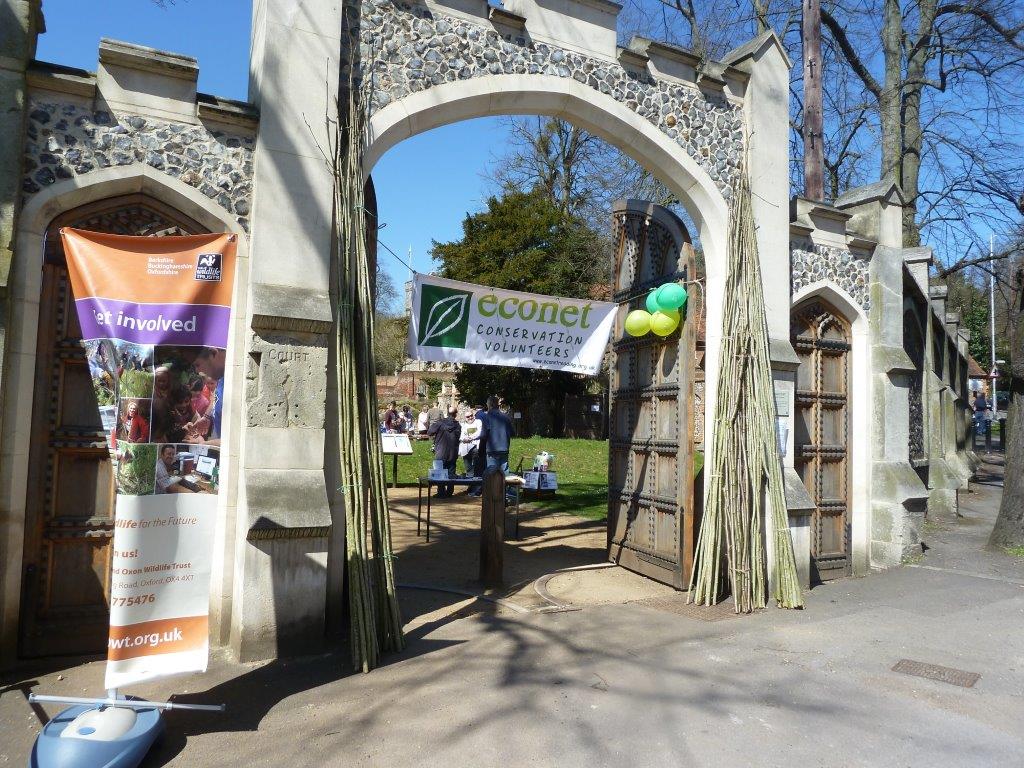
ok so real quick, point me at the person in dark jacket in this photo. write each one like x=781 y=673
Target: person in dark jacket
x=446 y=433
x=498 y=432
x=391 y=417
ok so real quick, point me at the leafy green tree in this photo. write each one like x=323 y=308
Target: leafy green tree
x=525 y=241
x=968 y=298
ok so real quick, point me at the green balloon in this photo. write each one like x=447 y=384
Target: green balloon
x=652 y=301
x=638 y=322
x=663 y=323
x=670 y=296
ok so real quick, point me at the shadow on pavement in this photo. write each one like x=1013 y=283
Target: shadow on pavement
x=249 y=697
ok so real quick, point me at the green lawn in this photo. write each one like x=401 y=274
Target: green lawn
x=582 y=467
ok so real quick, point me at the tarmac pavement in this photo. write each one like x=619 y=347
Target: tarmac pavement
x=646 y=683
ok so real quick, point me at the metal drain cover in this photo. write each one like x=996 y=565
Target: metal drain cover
x=934 y=672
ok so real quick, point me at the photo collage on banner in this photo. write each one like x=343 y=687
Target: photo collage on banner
x=161 y=408
x=156 y=349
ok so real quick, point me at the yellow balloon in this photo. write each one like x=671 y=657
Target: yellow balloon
x=663 y=323
x=638 y=322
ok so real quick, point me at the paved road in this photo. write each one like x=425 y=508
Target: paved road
x=631 y=685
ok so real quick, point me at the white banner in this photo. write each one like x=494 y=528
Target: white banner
x=155 y=314
x=160 y=585
x=465 y=323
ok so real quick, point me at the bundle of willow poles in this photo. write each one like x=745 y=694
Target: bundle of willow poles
x=374 y=620
x=745 y=480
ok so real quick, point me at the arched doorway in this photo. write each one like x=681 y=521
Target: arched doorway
x=822 y=340
x=70 y=491
x=609 y=120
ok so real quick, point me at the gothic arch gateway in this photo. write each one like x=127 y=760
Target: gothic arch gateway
x=691 y=123
x=137 y=126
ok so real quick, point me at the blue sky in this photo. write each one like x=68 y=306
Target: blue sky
x=425 y=185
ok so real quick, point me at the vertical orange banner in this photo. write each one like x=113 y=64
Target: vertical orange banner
x=155 y=315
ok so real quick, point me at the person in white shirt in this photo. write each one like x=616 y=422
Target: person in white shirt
x=469 y=442
x=421 y=423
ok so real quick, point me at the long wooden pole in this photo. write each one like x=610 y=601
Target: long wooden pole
x=814 y=152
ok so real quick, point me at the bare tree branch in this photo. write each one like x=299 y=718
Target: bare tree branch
x=1010 y=35
x=839 y=35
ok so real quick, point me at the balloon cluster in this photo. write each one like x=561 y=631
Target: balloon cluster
x=665 y=305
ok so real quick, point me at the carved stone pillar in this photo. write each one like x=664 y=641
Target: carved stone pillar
x=287 y=522
x=280 y=586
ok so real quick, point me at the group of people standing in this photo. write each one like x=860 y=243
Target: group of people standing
x=482 y=439
x=400 y=420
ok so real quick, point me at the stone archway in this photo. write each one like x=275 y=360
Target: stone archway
x=136 y=182
x=69 y=500
x=606 y=118
x=436 y=62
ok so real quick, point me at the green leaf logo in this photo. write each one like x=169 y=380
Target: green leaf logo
x=444 y=317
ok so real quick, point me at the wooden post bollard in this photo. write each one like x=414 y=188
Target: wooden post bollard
x=492 y=528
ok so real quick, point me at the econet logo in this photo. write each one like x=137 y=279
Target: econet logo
x=444 y=317
x=531 y=310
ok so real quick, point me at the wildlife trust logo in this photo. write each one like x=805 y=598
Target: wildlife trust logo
x=444 y=317
x=208 y=267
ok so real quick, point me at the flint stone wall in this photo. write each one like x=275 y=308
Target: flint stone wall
x=67 y=140
x=812 y=263
x=407 y=48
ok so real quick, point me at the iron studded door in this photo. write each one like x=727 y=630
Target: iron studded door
x=822 y=341
x=651 y=522
x=69 y=519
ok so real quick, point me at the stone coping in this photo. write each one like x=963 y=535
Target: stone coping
x=132 y=56
x=879 y=190
x=45 y=75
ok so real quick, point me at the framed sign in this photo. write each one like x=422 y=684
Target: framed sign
x=396 y=444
